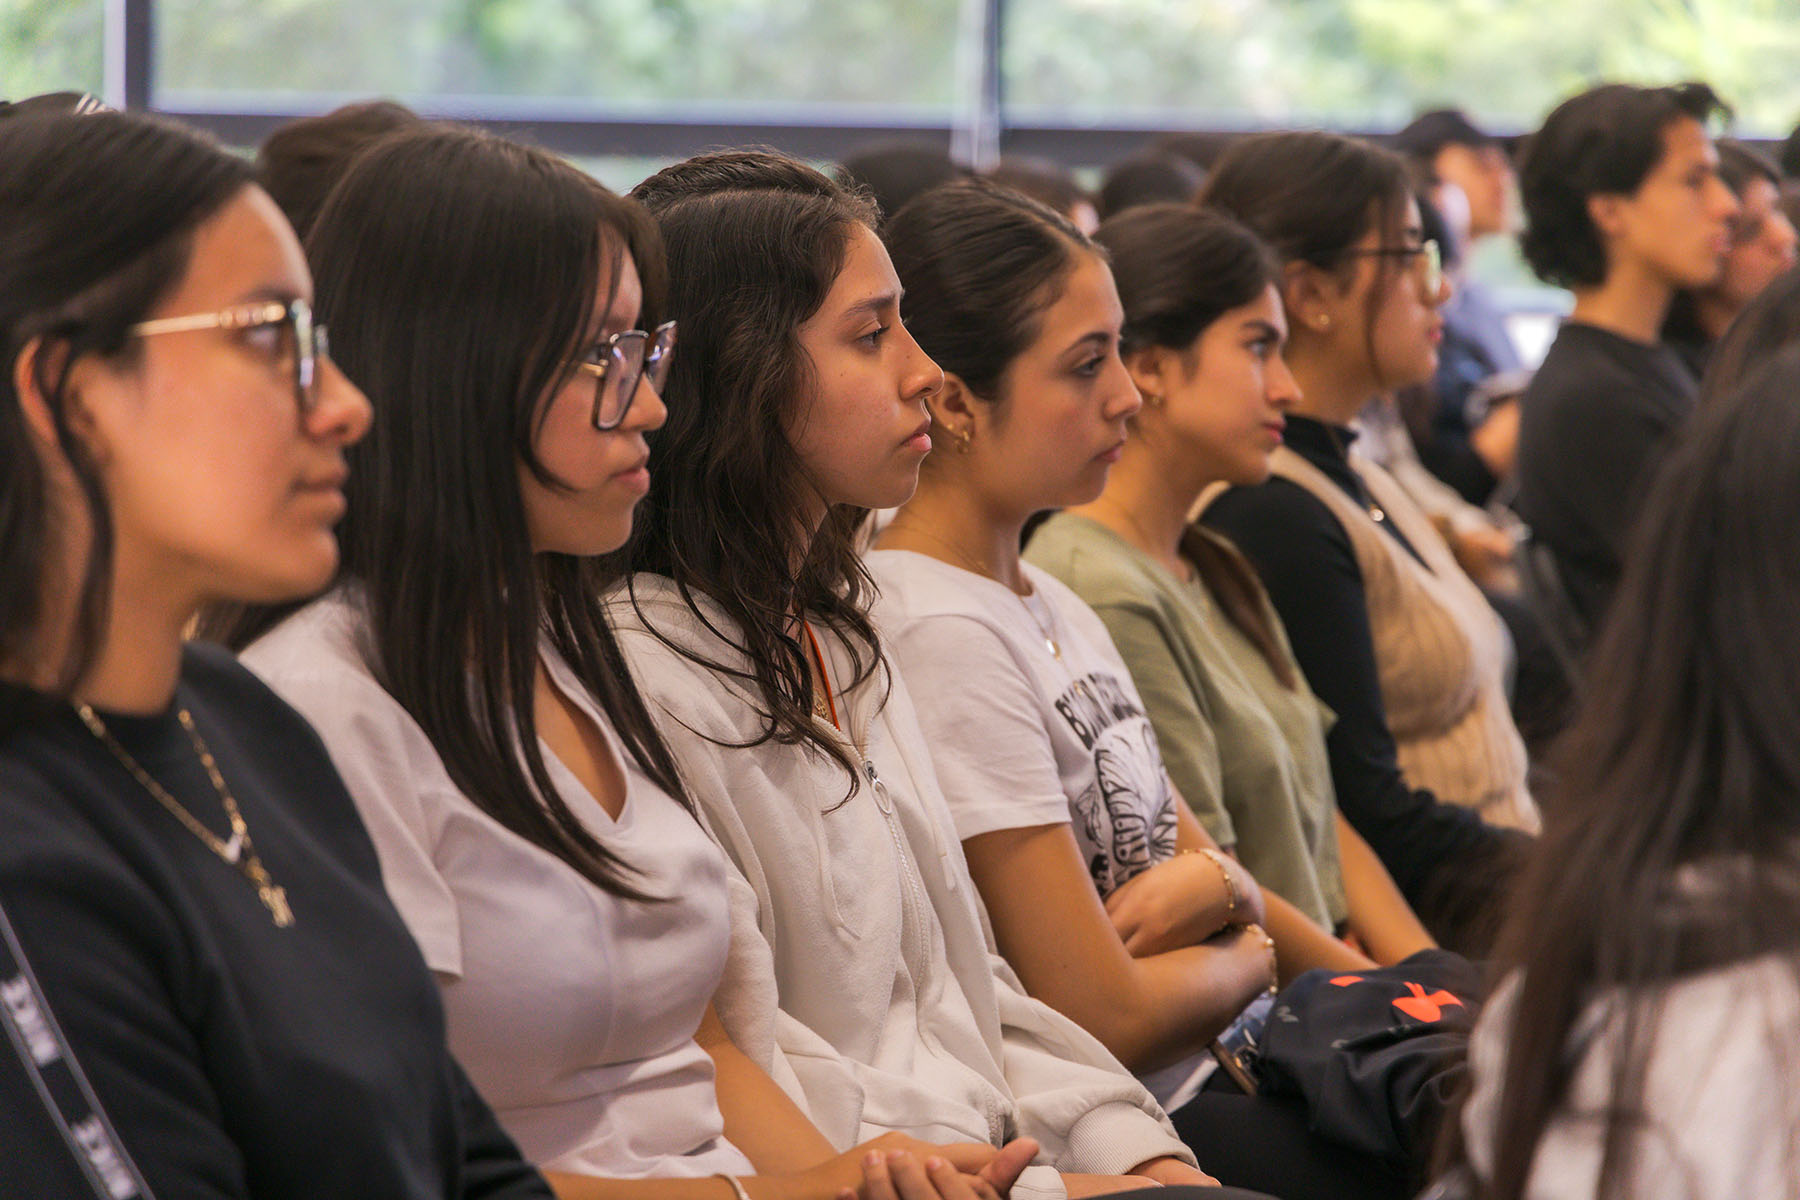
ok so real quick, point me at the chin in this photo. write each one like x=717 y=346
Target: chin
x=892 y=494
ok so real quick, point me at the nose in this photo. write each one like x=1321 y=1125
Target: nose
x=1782 y=231
x=342 y=413
x=1725 y=203
x=647 y=409
x=1122 y=398
x=1279 y=385
x=1445 y=290
x=923 y=376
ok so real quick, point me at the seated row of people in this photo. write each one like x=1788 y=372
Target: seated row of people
x=707 y=827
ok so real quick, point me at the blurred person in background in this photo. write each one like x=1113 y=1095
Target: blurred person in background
x=1762 y=247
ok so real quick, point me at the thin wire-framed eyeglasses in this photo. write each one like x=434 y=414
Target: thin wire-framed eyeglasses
x=305 y=342
x=1427 y=260
x=624 y=360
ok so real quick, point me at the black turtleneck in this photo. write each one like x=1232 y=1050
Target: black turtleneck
x=1309 y=567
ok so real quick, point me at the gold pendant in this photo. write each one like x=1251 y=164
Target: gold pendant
x=274 y=898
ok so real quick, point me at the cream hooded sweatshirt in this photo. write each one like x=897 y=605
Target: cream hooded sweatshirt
x=862 y=974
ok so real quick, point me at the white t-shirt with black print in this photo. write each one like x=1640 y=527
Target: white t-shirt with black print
x=1032 y=719
x=1031 y=714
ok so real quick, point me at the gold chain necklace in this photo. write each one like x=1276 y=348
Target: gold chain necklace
x=237 y=852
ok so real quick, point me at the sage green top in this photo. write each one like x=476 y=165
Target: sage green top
x=1246 y=752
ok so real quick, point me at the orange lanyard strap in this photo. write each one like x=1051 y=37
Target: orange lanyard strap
x=824 y=674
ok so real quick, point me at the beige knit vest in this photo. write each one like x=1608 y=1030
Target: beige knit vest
x=1440 y=649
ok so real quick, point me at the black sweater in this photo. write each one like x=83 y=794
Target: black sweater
x=224 y=1057
x=1595 y=422
x=1309 y=567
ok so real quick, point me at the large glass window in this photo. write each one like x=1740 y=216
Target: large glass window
x=831 y=60
x=51 y=46
x=1373 y=63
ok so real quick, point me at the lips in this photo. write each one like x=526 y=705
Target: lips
x=330 y=481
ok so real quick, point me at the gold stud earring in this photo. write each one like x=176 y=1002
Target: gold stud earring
x=963 y=438
x=1153 y=399
x=1322 y=322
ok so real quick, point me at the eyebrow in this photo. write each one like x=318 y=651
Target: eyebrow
x=278 y=293
x=1267 y=328
x=1101 y=337
x=869 y=306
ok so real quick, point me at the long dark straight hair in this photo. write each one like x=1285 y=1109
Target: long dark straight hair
x=1686 y=761
x=458 y=272
x=755 y=241
x=1178 y=270
x=98 y=213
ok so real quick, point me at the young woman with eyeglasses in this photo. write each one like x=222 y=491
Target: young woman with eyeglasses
x=797 y=405
x=1387 y=629
x=190 y=910
x=532 y=827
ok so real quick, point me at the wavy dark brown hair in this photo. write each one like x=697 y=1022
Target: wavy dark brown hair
x=755 y=241
x=1604 y=141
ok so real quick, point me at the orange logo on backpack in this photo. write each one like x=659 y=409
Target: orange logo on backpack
x=1418 y=1006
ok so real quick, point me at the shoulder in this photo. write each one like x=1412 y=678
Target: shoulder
x=314 y=662
x=686 y=658
x=1589 y=366
x=1094 y=563
x=915 y=587
x=1270 y=514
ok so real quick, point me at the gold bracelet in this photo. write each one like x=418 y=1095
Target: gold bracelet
x=1231 y=892
x=737 y=1186
x=1274 y=964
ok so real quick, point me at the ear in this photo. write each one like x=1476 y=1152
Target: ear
x=954 y=407
x=1155 y=369
x=1607 y=211
x=45 y=359
x=1311 y=296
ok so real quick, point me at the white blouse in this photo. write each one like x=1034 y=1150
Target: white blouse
x=573 y=1011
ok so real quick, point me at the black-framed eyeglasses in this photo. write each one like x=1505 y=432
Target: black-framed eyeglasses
x=1427 y=260
x=305 y=342
x=627 y=358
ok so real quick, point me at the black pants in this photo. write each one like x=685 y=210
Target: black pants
x=1264 y=1144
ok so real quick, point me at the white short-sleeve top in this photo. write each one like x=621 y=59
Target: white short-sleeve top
x=1032 y=716
x=572 y=1010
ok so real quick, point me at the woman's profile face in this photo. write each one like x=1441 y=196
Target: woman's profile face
x=1059 y=421
x=863 y=432
x=602 y=474
x=1403 y=326
x=219 y=487
x=1225 y=412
